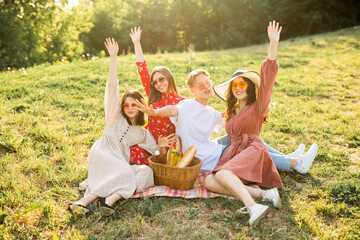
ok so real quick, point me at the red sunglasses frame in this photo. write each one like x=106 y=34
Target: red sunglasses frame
x=127 y=106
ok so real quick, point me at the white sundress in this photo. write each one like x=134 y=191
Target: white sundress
x=109 y=170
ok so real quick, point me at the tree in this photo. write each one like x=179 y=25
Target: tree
x=39 y=31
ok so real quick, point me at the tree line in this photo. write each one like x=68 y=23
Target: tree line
x=37 y=31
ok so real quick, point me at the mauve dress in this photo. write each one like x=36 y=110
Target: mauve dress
x=247 y=156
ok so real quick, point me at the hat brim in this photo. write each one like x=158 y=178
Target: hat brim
x=220 y=90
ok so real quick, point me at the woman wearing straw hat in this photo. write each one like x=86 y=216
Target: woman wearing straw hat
x=160 y=87
x=247 y=159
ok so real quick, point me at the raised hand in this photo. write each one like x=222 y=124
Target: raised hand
x=145 y=108
x=274 y=31
x=111 y=46
x=164 y=142
x=274 y=36
x=135 y=34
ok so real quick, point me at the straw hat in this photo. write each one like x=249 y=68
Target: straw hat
x=221 y=89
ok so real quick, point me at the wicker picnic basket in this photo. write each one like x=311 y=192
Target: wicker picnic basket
x=171 y=176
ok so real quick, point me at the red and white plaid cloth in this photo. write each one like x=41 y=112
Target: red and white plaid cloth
x=199 y=190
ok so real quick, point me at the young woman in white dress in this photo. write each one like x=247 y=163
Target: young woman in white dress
x=110 y=175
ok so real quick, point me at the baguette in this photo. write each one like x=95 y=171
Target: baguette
x=187 y=157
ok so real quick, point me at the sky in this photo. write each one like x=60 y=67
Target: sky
x=73 y=3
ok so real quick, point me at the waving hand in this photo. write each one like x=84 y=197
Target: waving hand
x=135 y=34
x=111 y=46
x=273 y=31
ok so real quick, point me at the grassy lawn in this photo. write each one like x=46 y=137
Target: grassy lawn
x=50 y=116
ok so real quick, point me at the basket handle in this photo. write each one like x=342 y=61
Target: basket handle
x=168 y=155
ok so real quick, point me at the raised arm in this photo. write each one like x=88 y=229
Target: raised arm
x=274 y=36
x=268 y=70
x=140 y=59
x=113 y=49
x=167 y=111
x=135 y=37
x=112 y=97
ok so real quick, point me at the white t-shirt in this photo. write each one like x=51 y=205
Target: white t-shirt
x=195 y=125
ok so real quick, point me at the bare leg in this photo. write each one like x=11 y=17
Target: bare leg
x=226 y=182
x=254 y=192
x=292 y=163
x=85 y=201
x=235 y=186
x=213 y=185
x=112 y=199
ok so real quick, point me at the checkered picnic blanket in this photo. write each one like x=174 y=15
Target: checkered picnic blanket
x=199 y=190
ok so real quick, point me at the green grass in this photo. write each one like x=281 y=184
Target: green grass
x=52 y=114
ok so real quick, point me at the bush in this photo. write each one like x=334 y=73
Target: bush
x=347 y=191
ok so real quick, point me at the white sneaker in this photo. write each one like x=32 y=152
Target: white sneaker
x=299 y=151
x=273 y=196
x=257 y=212
x=304 y=162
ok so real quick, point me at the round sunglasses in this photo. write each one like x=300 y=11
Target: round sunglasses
x=161 y=80
x=127 y=106
x=204 y=85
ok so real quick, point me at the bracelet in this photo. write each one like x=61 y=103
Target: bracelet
x=157 y=153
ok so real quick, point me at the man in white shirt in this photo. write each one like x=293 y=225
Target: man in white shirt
x=195 y=120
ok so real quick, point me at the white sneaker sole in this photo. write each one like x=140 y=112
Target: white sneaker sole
x=259 y=218
x=278 y=203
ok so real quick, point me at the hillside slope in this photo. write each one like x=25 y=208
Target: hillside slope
x=51 y=115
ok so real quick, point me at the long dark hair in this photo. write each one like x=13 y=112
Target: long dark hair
x=155 y=95
x=140 y=117
x=231 y=101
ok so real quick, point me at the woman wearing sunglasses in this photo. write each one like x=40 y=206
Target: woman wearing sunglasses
x=161 y=90
x=110 y=175
x=247 y=160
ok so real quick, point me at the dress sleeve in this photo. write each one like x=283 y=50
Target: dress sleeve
x=144 y=76
x=149 y=143
x=268 y=71
x=112 y=103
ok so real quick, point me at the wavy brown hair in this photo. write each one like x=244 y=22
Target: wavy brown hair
x=231 y=101
x=155 y=95
x=140 y=117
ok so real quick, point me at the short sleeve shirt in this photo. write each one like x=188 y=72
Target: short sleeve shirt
x=195 y=124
